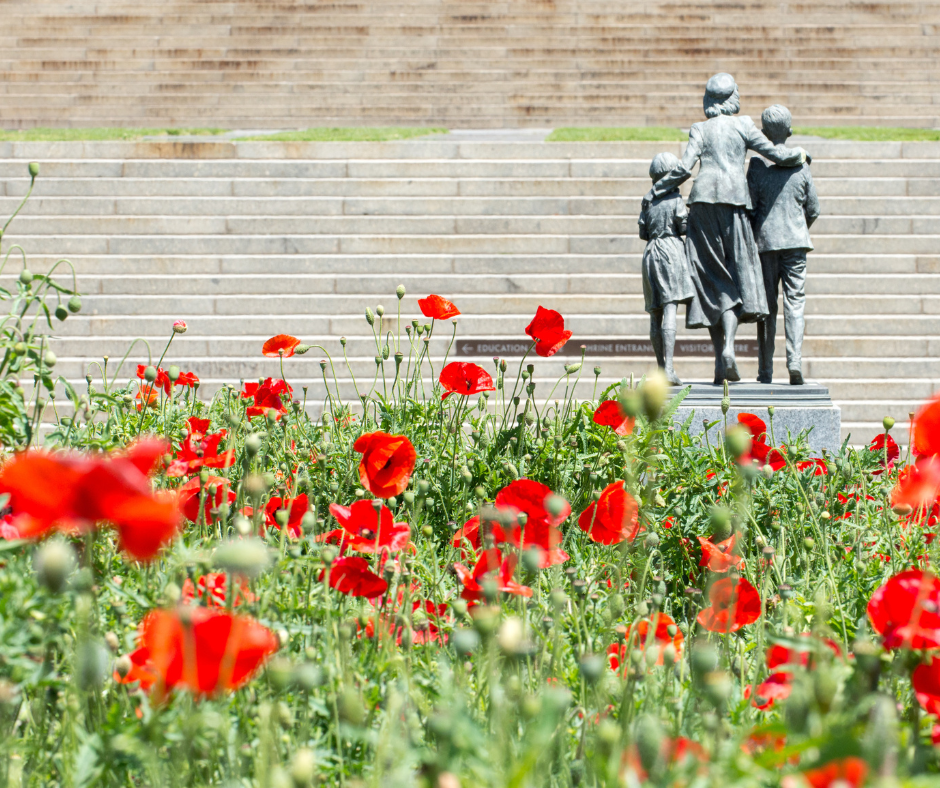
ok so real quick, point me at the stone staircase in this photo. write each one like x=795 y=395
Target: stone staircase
x=245 y=240
x=461 y=63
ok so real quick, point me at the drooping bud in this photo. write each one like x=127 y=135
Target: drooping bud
x=75 y=304
x=49 y=359
x=61 y=312
x=26 y=277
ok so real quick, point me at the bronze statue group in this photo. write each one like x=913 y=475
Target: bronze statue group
x=745 y=235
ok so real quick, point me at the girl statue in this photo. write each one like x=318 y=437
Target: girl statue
x=666 y=278
x=723 y=258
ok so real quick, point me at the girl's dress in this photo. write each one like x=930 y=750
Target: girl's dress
x=667 y=278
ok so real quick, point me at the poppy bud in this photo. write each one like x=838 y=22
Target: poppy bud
x=75 y=304
x=725 y=406
x=597 y=371
x=123 y=665
x=592 y=667
x=303 y=768
x=503 y=365
x=570 y=369
x=704 y=659
x=91 y=664
x=465 y=641
x=20 y=348
x=61 y=312
x=370 y=318
x=53 y=564
x=511 y=635
x=49 y=359
x=380 y=310
x=888 y=423
x=385 y=352
x=26 y=277
x=248 y=557
x=652 y=541
x=33 y=169
x=173 y=373
x=511 y=470
x=253 y=444
x=400 y=292
x=737 y=441
x=301 y=349
x=150 y=373
x=111 y=640
x=485 y=618
x=767 y=472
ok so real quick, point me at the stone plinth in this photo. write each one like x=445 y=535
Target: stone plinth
x=796 y=409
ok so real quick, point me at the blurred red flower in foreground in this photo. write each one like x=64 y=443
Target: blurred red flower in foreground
x=609 y=414
x=547 y=329
x=298 y=508
x=926 y=429
x=426 y=617
x=281 y=343
x=850 y=772
x=387 y=463
x=217 y=585
x=188 y=379
x=918 y=485
x=905 y=611
x=613 y=518
x=926 y=682
x=776 y=687
x=74 y=492
x=369 y=529
x=540 y=530
x=760 y=450
x=462 y=377
x=204 y=650
x=734 y=604
x=719 y=557
x=267 y=396
x=351 y=575
x=818 y=464
x=437 y=308
x=492 y=564
x=755 y=425
x=886 y=448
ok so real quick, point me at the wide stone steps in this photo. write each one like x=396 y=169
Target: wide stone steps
x=244 y=240
x=568 y=62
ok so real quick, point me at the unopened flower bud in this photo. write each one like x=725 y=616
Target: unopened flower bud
x=33 y=169
x=75 y=304
x=54 y=562
x=26 y=277
x=61 y=312
x=400 y=292
x=179 y=327
x=173 y=373
x=49 y=358
x=303 y=768
x=888 y=423
x=370 y=318
x=150 y=373
x=248 y=557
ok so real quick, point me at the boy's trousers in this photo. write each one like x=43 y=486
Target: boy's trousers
x=786 y=266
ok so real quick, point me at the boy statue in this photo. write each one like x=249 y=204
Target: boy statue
x=784 y=206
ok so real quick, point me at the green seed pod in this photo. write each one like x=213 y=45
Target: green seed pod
x=737 y=441
x=720 y=521
x=380 y=310
x=49 y=359
x=61 y=312
x=173 y=373
x=54 y=563
x=592 y=667
x=150 y=373
x=704 y=659
x=649 y=742
x=33 y=169
x=725 y=406
x=26 y=277
x=75 y=304
x=20 y=348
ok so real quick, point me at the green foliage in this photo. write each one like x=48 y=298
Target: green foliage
x=618 y=134
x=44 y=134
x=870 y=133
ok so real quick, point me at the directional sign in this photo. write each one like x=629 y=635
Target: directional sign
x=626 y=347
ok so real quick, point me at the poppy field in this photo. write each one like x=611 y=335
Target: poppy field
x=451 y=578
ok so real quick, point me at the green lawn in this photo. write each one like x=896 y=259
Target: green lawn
x=42 y=134
x=870 y=133
x=613 y=134
x=377 y=134
x=667 y=134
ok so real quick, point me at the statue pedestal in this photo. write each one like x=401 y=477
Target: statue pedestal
x=796 y=409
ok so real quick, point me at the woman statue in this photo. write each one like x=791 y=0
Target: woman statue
x=726 y=268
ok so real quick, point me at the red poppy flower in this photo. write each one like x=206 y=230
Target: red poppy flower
x=547 y=329
x=217 y=585
x=281 y=343
x=755 y=425
x=205 y=650
x=613 y=518
x=609 y=414
x=148 y=397
x=491 y=563
x=541 y=527
x=777 y=686
x=388 y=621
x=719 y=557
x=189 y=497
x=926 y=682
x=437 y=308
x=204 y=454
x=850 y=771
x=75 y=492
x=298 y=508
x=734 y=604
x=267 y=396
x=145 y=454
x=886 y=448
x=817 y=464
x=926 y=429
x=918 y=485
x=680 y=752
x=141 y=670
x=351 y=575
x=162 y=380
x=639 y=637
x=462 y=377
x=905 y=611
x=198 y=428
x=371 y=530
x=470 y=532
x=387 y=463
x=188 y=379
x=781 y=654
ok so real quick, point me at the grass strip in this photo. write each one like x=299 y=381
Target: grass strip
x=365 y=134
